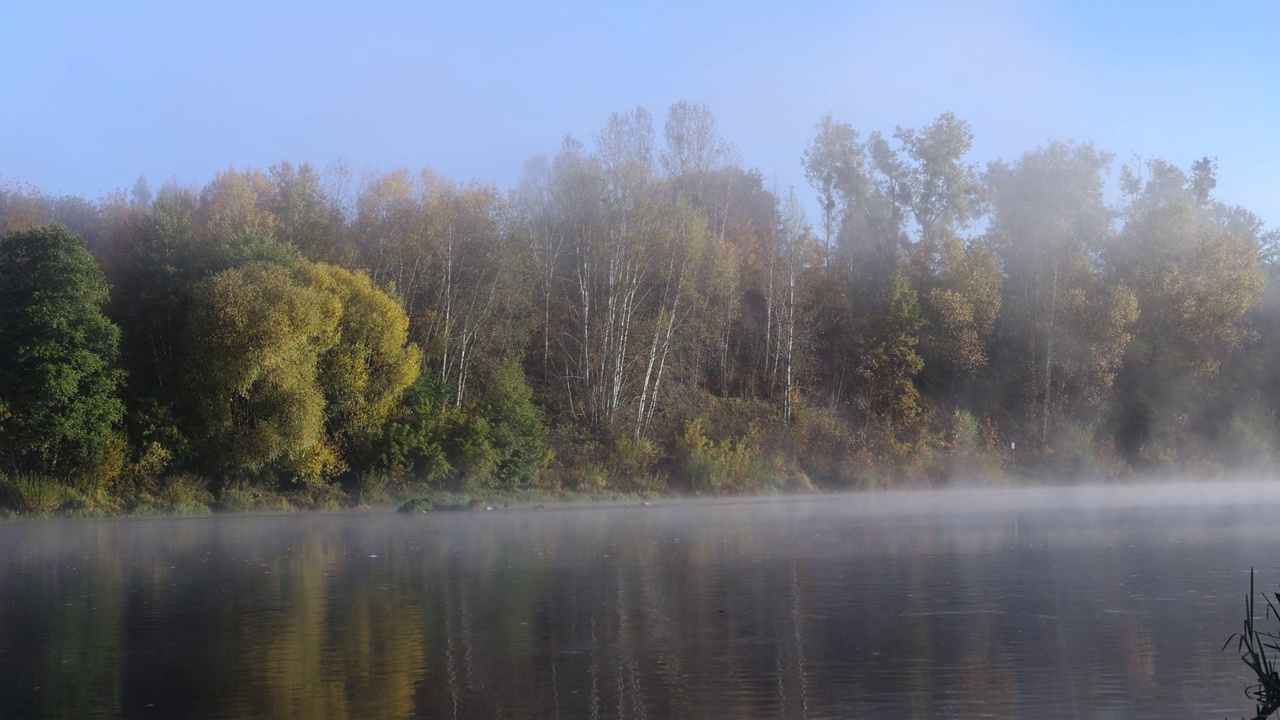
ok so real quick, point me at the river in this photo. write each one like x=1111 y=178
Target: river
x=1047 y=603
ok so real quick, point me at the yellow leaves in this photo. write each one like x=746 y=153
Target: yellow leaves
x=315 y=464
x=369 y=362
x=693 y=439
x=1194 y=282
x=254 y=322
x=281 y=347
x=404 y=220
x=954 y=315
x=1101 y=321
x=237 y=206
x=965 y=306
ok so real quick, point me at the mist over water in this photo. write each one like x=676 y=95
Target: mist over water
x=945 y=254
x=1064 y=602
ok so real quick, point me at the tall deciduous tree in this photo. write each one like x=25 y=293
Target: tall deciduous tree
x=307 y=217
x=369 y=361
x=298 y=369
x=944 y=189
x=694 y=151
x=795 y=253
x=887 y=394
x=608 y=250
x=834 y=165
x=962 y=307
x=58 y=376
x=448 y=252
x=259 y=338
x=152 y=267
x=23 y=207
x=1195 y=270
x=477 y=300
x=1049 y=225
x=871 y=193
x=391 y=242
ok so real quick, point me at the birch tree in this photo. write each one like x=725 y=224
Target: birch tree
x=610 y=263
x=680 y=248
x=794 y=253
x=478 y=293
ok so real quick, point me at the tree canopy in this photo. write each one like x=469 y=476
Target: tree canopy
x=59 y=380
x=641 y=304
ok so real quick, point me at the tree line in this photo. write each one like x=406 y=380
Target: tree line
x=642 y=313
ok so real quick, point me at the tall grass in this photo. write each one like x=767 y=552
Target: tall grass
x=373 y=488
x=32 y=493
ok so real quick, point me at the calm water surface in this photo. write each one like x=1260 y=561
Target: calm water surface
x=1042 y=604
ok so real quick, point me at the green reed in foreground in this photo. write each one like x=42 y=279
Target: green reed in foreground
x=1253 y=644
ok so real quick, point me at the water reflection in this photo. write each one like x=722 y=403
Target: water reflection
x=803 y=609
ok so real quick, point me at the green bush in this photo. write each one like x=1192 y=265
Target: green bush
x=824 y=446
x=143 y=474
x=497 y=444
x=515 y=433
x=976 y=451
x=589 y=477
x=321 y=496
x=415 y=442
x=473 y=456
x=965 y=432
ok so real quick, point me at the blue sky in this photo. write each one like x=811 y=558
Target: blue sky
x=95 y=93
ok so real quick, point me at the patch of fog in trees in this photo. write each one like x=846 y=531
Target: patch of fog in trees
x=644 y=313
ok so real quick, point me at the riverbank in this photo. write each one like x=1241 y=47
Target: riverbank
x=33 y=496
x=30 y=497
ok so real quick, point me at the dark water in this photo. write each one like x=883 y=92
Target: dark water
x=892 y=606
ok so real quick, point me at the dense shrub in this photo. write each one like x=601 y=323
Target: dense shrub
x=728 y=467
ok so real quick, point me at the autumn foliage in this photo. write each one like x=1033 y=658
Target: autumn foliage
x=643 y=314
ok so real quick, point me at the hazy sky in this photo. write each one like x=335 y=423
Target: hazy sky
x=94 y=93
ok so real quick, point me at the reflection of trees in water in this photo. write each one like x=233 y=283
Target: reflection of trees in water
x=80 y=672
x=589 y=614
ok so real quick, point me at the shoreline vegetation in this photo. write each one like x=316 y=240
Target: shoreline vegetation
x=643 y=316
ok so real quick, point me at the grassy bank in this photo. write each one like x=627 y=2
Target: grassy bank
x=29 y=495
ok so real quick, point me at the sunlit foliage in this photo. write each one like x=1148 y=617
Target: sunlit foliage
x=642 y=313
